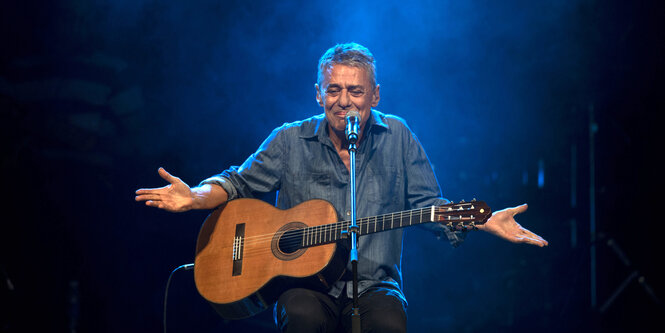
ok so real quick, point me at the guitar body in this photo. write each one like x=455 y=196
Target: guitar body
x=244 y=262
x=249 y=252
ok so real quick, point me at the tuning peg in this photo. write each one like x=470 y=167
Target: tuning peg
x=462 y=201
x=474 y=200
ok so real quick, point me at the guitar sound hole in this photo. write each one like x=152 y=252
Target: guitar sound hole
x=287 y=242
x=290 y=241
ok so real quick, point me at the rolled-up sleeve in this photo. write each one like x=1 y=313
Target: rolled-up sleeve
x=423 y=188
x=260 y=173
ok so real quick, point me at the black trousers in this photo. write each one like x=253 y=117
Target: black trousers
x=304 y=310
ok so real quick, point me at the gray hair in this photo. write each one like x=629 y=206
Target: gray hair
x=348 y=54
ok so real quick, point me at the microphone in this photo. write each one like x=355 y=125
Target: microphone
x=352 y=123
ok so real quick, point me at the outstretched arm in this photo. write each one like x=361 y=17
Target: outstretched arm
x=179 y=197
x=503 y=224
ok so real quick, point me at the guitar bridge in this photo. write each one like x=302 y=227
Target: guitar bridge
x=238 y=247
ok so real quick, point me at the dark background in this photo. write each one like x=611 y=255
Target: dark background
x=555 y=104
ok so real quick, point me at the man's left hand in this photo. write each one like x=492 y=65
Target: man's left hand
x=503 y=224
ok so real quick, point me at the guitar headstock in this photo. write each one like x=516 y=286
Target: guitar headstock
x=463 y=216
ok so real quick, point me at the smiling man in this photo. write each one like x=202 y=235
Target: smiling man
x=346 y=84
x=309 y=159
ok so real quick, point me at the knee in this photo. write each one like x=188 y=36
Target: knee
x=384 y=311
x=393 y=321
x=298 y=311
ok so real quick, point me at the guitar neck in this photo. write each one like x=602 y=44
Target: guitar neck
x=455 y=216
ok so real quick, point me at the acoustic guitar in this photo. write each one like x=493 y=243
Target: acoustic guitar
x=248 y=252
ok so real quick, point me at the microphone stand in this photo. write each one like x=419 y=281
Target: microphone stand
x=352 y=135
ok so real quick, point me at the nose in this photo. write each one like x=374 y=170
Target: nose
x=344 y=99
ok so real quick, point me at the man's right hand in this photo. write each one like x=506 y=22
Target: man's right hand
x=175 y=197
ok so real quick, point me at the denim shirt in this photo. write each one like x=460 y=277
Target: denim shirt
x=393 y=174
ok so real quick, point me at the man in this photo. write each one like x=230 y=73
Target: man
x=309 y=159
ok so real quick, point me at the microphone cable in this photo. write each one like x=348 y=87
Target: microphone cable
x=186 y=267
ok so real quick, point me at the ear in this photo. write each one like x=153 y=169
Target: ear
x=376 y=97
x=319 y=98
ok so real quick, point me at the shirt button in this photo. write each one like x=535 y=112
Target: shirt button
x=348 y=212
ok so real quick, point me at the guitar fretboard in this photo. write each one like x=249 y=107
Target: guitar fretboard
x=329 y=233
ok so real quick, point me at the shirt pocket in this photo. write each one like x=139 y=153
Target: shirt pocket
x=313 y=186
x=383 y=188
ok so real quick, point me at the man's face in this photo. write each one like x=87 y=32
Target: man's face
x=346 y=88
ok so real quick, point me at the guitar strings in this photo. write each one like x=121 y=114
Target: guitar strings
x=324 y=235
x=252 y=250
x=361 y=222
x=331 y=226
x=324 y=230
